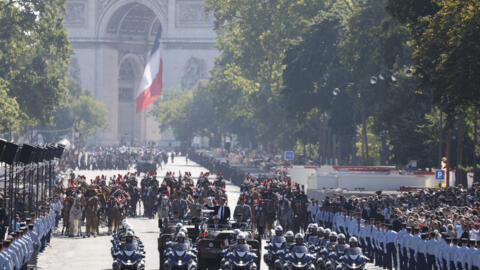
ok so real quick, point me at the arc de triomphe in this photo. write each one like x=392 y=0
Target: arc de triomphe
x=112 y=40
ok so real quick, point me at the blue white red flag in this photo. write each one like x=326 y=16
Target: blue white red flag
x=151 y=85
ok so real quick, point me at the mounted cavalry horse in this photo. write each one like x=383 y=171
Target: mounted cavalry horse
x=75 y=216
x=91 y=215
x=265 y=215
x=149 y=189
x=67 y=206
x=163 y=210
x=285 y=214
x=115 y=209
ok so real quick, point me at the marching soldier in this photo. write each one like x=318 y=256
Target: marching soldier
x=14 y=260
x=432 y=246
x=401 y=247
x=6 y=262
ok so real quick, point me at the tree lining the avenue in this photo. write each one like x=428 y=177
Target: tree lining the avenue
x=359 y=81
x=35 y=88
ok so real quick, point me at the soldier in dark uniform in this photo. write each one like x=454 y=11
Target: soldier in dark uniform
x=3 y=220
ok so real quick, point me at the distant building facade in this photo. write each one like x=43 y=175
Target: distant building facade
x=112 y=40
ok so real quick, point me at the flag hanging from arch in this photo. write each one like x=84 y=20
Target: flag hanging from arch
x=151 y=85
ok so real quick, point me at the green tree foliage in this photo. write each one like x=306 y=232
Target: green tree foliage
x=172 y=112
x=359 y=81
x=81 y=112
x=34 y=52
x=446 y=49
x=88 y=115
x=9 y=110
x=187 y=113
x=253 y=37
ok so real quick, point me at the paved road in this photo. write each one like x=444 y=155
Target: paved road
x=94 y=253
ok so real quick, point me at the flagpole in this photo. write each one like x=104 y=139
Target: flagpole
x=147 y=57
x=151 y=85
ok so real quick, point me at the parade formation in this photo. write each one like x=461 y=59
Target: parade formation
x=239 y=135
x=273 y=224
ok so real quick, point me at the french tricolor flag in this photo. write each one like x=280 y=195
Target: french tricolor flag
x=151 y=85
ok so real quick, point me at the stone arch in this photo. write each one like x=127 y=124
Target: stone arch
x=135 y=60
x=119 y=8
x=194 y=70
x=129 y=76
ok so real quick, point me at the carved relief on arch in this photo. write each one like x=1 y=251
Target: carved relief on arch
x=104 y=6
x=76 y=13
x=194 y=70
x=74 y=69
x=192 y=14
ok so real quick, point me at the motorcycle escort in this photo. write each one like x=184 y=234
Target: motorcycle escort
x=323 y=255
x=180 y=257
x=337 y=252
x=353 y=259
x=276 y=244
x=129 y=255
x=241 y=257
x=282 y=254
x=312 y=239
x=299 y=257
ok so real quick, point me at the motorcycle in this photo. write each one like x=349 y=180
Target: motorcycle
x=282 y=255
x=299 y=259
x=334 y=256
x=180 y=258
x=129 y=257
x=353 y=260
x=241 y=258
x=273 y=248
x=323 y=256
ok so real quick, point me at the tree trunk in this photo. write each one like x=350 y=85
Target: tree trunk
x=304 y=149
x=334 y=149
x=440 y=144
x=383 y=151
x=460 y=173
x=364 y=140
x=329 y=147
x=325 y=145
x=475 y=118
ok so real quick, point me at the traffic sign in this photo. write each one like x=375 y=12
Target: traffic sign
x=289 y=155
x=440 y=175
